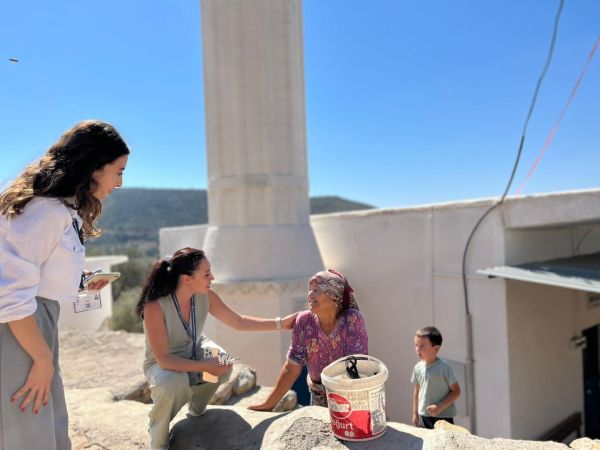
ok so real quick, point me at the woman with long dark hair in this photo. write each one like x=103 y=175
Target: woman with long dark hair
x=46 y=213
x=174 y=304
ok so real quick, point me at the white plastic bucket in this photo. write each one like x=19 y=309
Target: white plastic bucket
x=356 y=406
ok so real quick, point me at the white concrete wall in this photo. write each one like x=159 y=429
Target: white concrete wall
x=92 y=320
x=487 y=305
x=552 y=210
x=173 y=238
x=546 y=369
x=267 y=252
x=540 y=244
x=405 y=266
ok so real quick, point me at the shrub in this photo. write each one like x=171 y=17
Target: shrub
x=124 y=316
x=133 y=275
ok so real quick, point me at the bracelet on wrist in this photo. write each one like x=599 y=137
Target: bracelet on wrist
x=278 y=323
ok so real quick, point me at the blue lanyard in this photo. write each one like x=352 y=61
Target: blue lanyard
x=191 y=328
x=78 y=230
x=80 y=235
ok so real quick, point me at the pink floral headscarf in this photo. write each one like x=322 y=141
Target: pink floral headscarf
x=335 y=285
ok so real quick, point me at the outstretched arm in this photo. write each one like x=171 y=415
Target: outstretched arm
x=288 y=374
x=228 y=316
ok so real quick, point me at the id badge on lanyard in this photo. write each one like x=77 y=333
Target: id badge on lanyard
x=87 y=300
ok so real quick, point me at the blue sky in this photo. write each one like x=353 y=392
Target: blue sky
x=407 y=102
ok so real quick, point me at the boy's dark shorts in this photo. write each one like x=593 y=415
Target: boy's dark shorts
x=428 y=422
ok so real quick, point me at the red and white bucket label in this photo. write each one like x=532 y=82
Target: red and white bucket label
x=357 y=415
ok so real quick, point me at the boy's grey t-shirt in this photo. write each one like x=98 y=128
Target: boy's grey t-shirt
x=434 y=385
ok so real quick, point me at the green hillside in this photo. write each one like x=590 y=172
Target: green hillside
x=132 y=217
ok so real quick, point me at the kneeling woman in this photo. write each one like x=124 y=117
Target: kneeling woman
x=332 y=327
x=174 y=305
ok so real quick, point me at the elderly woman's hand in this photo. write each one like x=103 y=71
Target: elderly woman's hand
x=265 y=406
x=288 y=322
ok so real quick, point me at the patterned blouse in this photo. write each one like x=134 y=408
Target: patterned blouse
x=311 y=346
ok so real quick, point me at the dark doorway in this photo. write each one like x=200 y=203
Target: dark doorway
x=301 y=388
x=591 y=382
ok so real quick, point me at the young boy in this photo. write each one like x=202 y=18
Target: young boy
x=436 y=389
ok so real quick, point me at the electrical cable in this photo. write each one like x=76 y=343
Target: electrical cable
x=470 y=359
x=559 y=120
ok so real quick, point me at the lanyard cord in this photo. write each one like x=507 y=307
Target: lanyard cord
x=191 y=328
x=74 y=222
x=78 y=230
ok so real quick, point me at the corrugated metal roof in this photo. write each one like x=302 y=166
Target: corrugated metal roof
x=578 y=272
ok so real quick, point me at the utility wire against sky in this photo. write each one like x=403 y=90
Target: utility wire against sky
x=470 y=359
x=554 y=129
x=377 y=116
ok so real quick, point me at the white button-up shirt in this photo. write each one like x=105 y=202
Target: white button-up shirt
x=40 y=255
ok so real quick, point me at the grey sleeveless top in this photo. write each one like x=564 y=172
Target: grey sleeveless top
x=180 y=343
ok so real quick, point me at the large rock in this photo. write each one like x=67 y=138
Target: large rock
x=101 y=421
x=245 y=380
x=585 y=444
x=309 y=428
x=101 y=370
x=242 y=380
x=288 y=402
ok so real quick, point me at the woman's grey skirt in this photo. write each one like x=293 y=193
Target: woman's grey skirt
x=24 y=430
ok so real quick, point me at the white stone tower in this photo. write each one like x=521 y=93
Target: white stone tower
x=259 y=240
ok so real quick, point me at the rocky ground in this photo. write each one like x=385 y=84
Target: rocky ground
x=104 y=383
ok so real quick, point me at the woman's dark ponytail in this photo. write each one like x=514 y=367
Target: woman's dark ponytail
x=165 y=273
x=159 y=283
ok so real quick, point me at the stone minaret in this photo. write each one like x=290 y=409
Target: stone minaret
x=259 y=240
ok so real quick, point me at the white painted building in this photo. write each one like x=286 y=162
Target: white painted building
x=405 y=264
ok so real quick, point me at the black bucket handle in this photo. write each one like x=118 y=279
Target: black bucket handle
x=351 y=367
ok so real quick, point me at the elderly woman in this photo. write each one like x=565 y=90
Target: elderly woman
x=332 y=327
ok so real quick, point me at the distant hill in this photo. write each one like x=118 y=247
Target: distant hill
x=330 y=204
x=132 y=217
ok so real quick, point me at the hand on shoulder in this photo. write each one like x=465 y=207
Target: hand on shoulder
x=288 y=322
